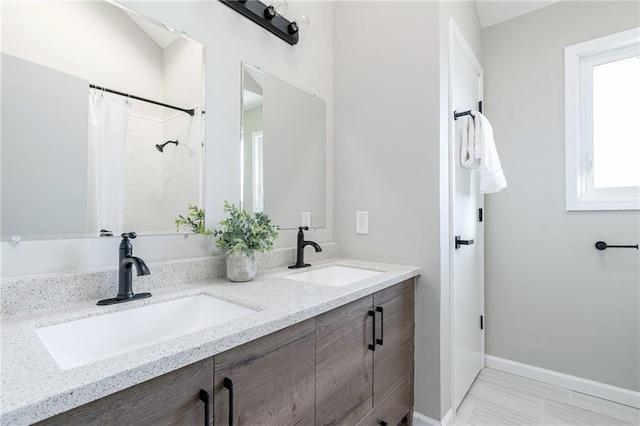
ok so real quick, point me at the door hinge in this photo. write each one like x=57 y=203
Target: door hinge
x=480 y=215
x=481 y=322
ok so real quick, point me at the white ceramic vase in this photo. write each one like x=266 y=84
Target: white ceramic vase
x=240 y=267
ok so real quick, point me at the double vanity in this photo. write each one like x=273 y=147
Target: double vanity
x=331 y=344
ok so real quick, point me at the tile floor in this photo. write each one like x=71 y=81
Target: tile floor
x=502 y=399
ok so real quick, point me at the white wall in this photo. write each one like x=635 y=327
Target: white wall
x=143 y=172
x=552 y=299
x=388 y=153
x=230 y=39
x=182 y=164
x=122 y=51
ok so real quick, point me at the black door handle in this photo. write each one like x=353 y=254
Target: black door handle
x=206 y=398
x=372 y=346
x=228 y=383
x=381 y=339
x=460 y=242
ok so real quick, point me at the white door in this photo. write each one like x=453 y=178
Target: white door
x=467 y=261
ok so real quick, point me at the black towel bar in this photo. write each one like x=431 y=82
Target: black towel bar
x=460 y=114
x=601 y=245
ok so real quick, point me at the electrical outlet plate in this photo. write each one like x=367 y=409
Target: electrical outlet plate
x=305 y=219
x=362 y=222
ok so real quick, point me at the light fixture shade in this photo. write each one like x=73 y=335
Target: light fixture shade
x=303 y=22
x=281 y=6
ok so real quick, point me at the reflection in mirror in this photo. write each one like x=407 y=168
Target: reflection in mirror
x=77 y=160
x=283 y=148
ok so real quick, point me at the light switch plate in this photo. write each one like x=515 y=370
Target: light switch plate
x=305 y=219
x=362 y=222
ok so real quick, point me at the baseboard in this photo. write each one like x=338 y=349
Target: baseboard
x=422 y=420
x=448 y=418
x=578 y=384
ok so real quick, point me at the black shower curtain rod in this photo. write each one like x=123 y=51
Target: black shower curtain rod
x=188 y=111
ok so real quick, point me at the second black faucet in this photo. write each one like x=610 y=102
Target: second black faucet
x=300 y=248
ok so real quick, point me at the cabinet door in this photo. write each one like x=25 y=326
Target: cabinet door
x=171 y=399
x=393 y=408
x=269 y=381
x=393 y=359
x=344 y=363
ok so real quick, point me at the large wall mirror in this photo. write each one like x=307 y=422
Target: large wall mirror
x=79 y=161
x=283 y=150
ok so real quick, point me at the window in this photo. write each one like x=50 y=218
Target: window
x=257 y=172
x=602 y=123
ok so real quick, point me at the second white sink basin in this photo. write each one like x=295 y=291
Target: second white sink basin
x=81 y=342
x=334 y=276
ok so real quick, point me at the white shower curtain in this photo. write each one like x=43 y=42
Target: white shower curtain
x=108 y=120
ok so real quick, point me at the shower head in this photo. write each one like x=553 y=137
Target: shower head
x=161 y=147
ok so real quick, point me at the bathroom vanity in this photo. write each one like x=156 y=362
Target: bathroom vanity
x=310 y=354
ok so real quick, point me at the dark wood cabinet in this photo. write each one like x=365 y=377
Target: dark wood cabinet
x=352 y=365
x=393 y=408
x=344 y=363
x=393 y=359
x=269 y=381
x=170 y=399
x=357 y=369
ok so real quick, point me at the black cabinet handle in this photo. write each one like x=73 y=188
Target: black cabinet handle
x=373 y=345
x=380 y=340
x=228 y=383
x=460 y=242
x=206 y=398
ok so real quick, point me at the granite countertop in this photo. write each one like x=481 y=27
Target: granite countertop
x=35 y=388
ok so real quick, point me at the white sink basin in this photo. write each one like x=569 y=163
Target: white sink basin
x=334 y=276
x=80 y=342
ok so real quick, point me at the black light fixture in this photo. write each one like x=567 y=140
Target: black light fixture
x=267 y=17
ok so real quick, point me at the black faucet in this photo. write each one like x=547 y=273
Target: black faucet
x=300 y=250
x=125 y=275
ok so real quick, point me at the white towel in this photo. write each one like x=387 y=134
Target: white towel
x=491 y=176
x=468 y=157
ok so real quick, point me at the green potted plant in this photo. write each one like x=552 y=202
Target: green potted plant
x=241 y=236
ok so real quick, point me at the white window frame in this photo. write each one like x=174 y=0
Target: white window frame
x=579 y=61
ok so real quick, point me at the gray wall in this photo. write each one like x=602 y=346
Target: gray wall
x=552 y=299
x=34 y=203
x=294 y=146
x=389 y=145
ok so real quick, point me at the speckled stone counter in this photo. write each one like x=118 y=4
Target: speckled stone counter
x=34 y=388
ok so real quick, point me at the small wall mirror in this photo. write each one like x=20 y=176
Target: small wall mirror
x=284 y=151
x=79 y=161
